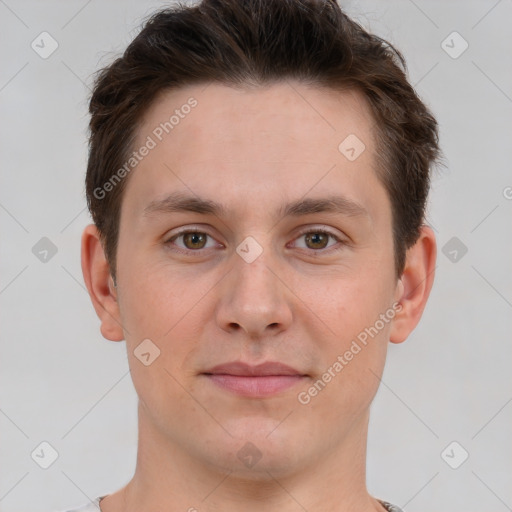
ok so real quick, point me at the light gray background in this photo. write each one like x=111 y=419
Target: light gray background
x=62 y=383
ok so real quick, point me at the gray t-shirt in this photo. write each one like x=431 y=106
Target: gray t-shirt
x=94 y=506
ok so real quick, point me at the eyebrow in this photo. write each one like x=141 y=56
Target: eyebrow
x=180 y=202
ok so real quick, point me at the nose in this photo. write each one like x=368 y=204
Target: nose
x=254 y=298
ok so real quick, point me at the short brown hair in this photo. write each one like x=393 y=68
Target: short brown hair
x=258 y=42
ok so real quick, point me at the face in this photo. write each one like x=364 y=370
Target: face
x=255 y=253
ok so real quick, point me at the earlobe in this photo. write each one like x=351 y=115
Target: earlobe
x=100 y=285
x=413 y=288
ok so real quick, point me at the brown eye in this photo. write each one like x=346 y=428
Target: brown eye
x=317 y=240
x=194 y=240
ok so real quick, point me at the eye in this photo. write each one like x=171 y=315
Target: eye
x=317 y=239
x=192 y=240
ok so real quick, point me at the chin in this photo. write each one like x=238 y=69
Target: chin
x=258 y=450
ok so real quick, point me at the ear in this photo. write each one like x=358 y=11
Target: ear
x=413 y=288
x=98 y=280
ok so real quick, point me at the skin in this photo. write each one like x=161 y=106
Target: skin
x=299 y=303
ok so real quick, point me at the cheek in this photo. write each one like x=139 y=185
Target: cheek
x=357 y=314
x=350 y=377
x=161 y=333
x=347 y=303
x=164 y=398
x=169 y=308
x=157 y=298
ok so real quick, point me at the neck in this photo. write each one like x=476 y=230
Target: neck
x=168 y=478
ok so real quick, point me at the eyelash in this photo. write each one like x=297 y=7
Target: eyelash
x=302 y=233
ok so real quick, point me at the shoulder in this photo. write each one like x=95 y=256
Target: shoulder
x=390 y=507
x=92 y=506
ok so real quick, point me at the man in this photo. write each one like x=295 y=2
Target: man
x=257 y=176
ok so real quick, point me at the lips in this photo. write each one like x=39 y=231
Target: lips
x=246 y=370
x=256 y=381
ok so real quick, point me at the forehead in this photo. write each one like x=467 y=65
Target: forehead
x=254 y=147
x=277 y=115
